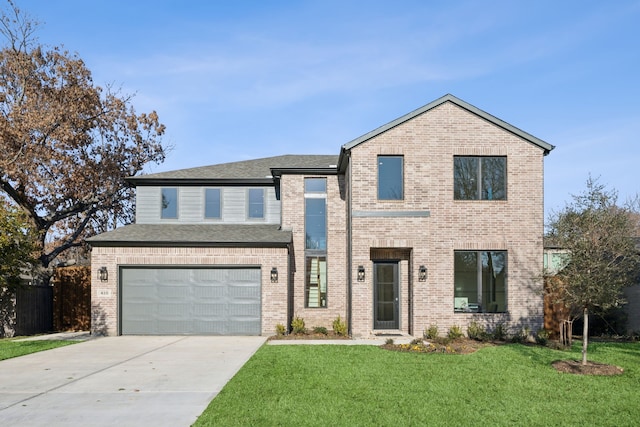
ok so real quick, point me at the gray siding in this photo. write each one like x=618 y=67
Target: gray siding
x=191 y=206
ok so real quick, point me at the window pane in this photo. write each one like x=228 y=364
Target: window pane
x=212 y=203
x=465 y=178
x=390 y=178
x=494 y=178
x=169 y=203
x=315 y=185
x=315 y=224
x=493 y=282
x=465 y=280
x=256 y=203
x=316 y=282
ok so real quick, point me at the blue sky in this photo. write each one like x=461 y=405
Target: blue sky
x=236 y=80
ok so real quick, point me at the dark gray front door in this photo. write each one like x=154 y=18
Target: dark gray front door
x=385 y=299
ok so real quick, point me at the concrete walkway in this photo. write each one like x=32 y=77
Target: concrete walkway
x=120 y=381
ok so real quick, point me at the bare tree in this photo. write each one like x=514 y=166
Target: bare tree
x=603 y=259
x=66 y=145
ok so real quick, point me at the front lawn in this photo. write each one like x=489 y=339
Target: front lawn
x=302 y=385
x=11 y=348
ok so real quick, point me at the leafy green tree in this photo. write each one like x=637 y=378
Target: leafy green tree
x=16 y=245
x=603 y=258
x=66 y=144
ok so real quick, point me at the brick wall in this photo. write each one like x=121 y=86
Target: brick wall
x=104 y=295
x=428 y=143
x=292 y=199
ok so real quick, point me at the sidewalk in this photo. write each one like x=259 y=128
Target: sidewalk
x=60 y=336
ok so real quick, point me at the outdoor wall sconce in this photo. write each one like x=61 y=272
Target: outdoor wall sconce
x=103 y=274
x=360 y=273
x=274 y=275
x=422 y=274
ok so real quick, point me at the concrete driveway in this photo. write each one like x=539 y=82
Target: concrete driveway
x=120 y=381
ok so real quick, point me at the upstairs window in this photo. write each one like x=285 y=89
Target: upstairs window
x=169 y=208
x=212 y=203
x=255 y=209
x=315 y=214
x=390 y=178
x=479 y=178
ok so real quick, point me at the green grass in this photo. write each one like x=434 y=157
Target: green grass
x=10 y=348
x=303 y=385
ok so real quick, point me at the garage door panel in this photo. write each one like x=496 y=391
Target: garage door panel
x=198 y=301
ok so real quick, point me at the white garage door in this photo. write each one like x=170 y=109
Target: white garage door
x=190 y=301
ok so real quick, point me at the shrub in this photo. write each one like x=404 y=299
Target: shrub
x=521 y=336
x=477 y=332
x=542 y=336
x=431 y=332
x=500 y=333
x=320 y=330
x=280 y=330
x=389 y=341
x=340 y=327
x=455 y=332
x=417 y=341
x=297 y=325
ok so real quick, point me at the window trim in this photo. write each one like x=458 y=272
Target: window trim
x=248 y=205
x=204 y=204
x=479 y=188
x=402 y=164
x=162 y=209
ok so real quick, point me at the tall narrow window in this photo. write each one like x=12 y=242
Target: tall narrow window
x=212 y=203
x=169 y=205
x=480 y=281
x=479 y=178
x=315 y=214
x=315 y=231
x=256 y=203
x=316 y=281
x=390 y=178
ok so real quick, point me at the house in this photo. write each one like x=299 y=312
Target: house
x=433 y=218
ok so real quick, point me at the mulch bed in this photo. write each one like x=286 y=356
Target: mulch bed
x=310 y=336
x=591 y=368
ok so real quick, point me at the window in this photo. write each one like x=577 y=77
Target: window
x=315 y=185
x=256 y=203
x=480 y=178
x=169 y=203
x=315 y=231
x=212 y=203
x=390 y=178
x=480 y=281
x=316 y=282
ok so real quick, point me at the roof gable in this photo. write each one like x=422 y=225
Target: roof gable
x=446 y=98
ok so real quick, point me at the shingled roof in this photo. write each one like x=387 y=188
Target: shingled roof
x=257 y=170
x=225 y=235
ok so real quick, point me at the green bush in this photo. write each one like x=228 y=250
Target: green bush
x=297 y=325
x=522 y=336
x=320 y=330
x=542 y=336
x=477 y=332
x=340 y=327
x=280 y=330
x=499 y=333
x=389 y=341
x=431 y=332
x=455 y=332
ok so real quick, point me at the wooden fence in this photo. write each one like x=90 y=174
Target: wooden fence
x=33 y=308
x=72 y=299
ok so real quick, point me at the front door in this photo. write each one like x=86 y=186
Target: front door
x=385 y=299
